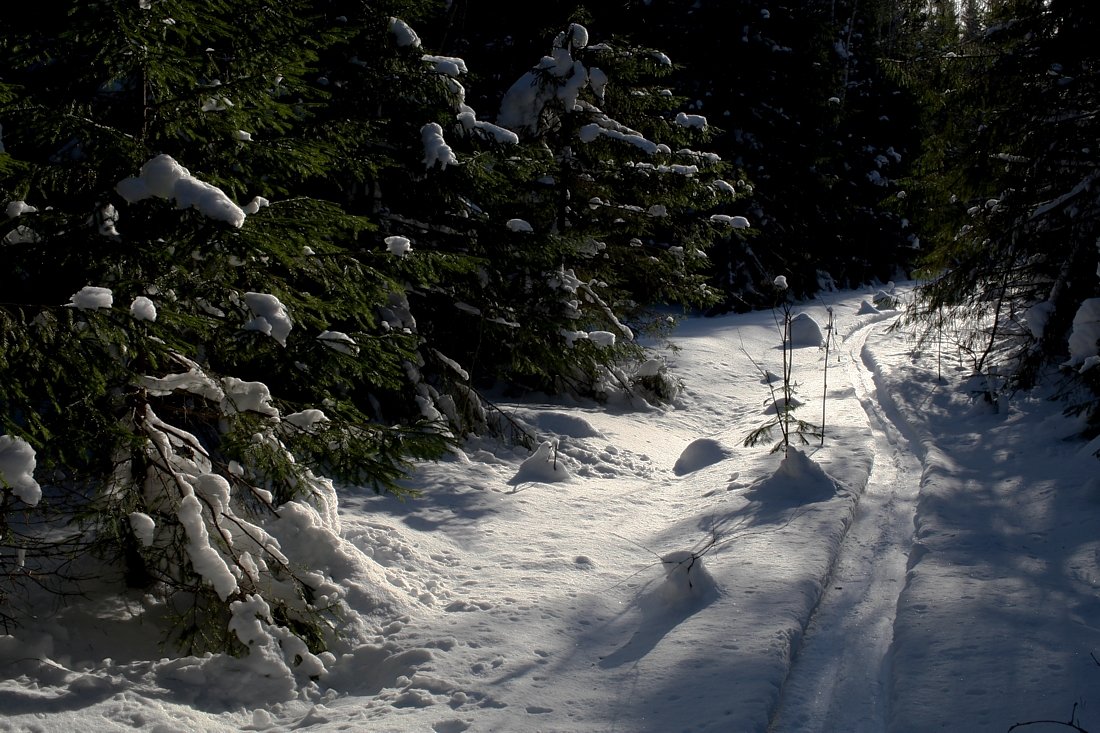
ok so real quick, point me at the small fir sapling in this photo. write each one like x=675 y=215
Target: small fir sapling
x=785 y=402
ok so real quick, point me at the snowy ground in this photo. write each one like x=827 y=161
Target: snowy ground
x=934 y=566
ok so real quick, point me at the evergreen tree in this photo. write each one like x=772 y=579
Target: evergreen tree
x=185 y=375
x=810 y=116
x=605 y=214
x=1008 y=182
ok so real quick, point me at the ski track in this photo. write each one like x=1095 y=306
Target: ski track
x=840 y=676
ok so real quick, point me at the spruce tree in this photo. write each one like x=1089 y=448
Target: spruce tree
x=196 y=342
x=614 y=217
x=1007 y=182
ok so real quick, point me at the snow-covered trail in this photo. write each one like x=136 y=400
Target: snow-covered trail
x=840 y=678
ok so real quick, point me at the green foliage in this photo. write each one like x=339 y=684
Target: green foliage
x=201 y=419
x=237 y=280
x=1004 y=185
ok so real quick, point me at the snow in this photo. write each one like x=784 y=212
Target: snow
x=143 y=309
x=697 y=121
x=339 y=341
x=271 y=316
x=241 y=395
x=92 y=297
x=933 y=565
x=18 y=208
x=436 y=149
x=1084 y=338
x=162 y=177
x=806 y=331
x=403 y=34
x=17 y=464
x=144 y=527
x=737 y=222
x=206 y=561
x=398 y=245
x=257 y=203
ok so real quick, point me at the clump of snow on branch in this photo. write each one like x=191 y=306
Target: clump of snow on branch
x=398 y=245
x=339 y=341
x=436 y=149
x=525 y=100
x=17 y=464
x=696 y=121
x=241 y=396
x=255 y=205
x=519 y=225
x=164 y=178
x=205 y=560
x=143 y=309
x=18 y=208
x=306 y=420
x=91 y=297
x=737 y=222
x=594 y=130
x=404 y=35
x=447 y=65
x=144 y=527
x=605 y=339
x=1085 y=334
x=271 y=316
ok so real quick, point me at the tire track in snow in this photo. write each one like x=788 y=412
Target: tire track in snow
x=839 y=679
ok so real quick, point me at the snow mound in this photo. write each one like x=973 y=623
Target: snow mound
x=866 y=309
x=780 y=405
x=797 y=480
x=544 y=466
x=686 y=581
x=699 y=454
x=560 y=423
x=805 y=331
